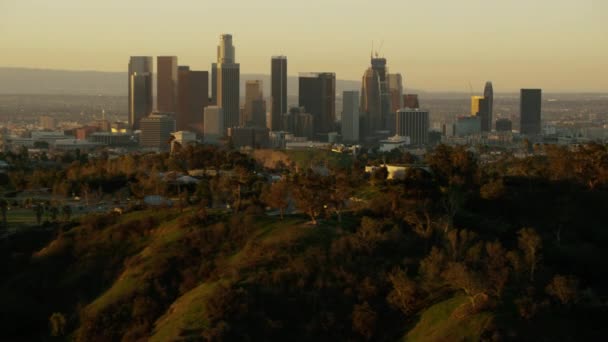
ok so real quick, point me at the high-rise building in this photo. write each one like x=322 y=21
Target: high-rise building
x=411 y=101
x=376 y=99
x=350 y=116
x=504 y=125
x=228 y=78
x=156 y=131
x=213 y=101
x=488 y=94
x=214 y=125
x=253 y=92
x=278 y=91
x=414 y=124
x=258 y=113
x=318 y=97
x=467 y=125
x=395 y=88
x=199 y=98
x=298 y=122
x=192 y=98
x=475 y=104
x=166 y=84
x=182 y=120
x=530 y=111
x=480 y=107
x=141 y=101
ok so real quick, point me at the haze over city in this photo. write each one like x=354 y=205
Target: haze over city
x=437 y=45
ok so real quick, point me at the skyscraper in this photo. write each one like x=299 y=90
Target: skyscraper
x=166 y=84
x=183 y=98
x=318 y=97
x=253 y=92
x=395 y=88
x=413 y=123
x=141 y=102
x=193 y=97
x=156 y=130
x=480 y=107
x=488 y=94
x=350 y=116
x=475 y=104
x=228 y=78
x=199 y=98
x=375 y=99
x=214 y=128
x=530 y=111
x=278 y=91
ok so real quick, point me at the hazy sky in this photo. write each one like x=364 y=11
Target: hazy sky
x=435 y=44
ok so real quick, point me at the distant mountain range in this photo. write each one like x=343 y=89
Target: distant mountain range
x=64 y=82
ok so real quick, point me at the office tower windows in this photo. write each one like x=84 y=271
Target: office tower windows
x=199 y=98
x=350 y=116
x=395 y=88
x=413 y=123
x=140 y=99
x=530 y=111
x=166 y=84
x=228 y=78
x=214 y=125
x=318 y=97
x=156 y=131
x=253 y=92
x=488 y=94
x=193 y=97
x=278 y=91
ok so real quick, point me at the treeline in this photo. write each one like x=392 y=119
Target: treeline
x=520 y=240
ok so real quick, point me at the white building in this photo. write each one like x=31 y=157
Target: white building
x=393 y=143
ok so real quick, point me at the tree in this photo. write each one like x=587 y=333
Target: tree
x=341 y=190
x=53 y=212
x=497 y=270
x=564 y=289
x=364 y=320
x=530 y=244
x=66 y=212
x=404 y=292
x=462 y=277
x=276 y=196
x=39 y=210
x=310 y=194
x=57 y=323
x=4 y=209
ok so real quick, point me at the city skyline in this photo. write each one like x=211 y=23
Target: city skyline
x=524 y=43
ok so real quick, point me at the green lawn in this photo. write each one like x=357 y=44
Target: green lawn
x=438 y=324
x=20 y=217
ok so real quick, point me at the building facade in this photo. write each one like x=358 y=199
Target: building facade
x=228 y=78
x=530 y=111
x=253 y=92
x=140 y=100
x=278 y=89
x=318 y=97
x=413 y=123
x=350 y=116
x=156 y=131
x=214 y=125
x=166 y=84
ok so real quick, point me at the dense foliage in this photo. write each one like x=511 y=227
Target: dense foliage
x=512 y=249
